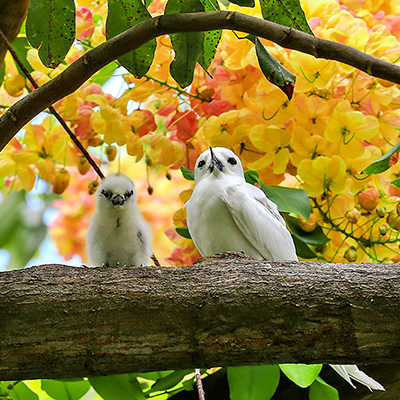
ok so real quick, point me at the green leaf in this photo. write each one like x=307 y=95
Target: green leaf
x=50 y=27
x=184 y=232
x=395 y=182
x=2 y=72
x=320 y=390
x=383 y=163
x=122 y=15
x=301 y=374
x=187 y=45
x=169 y=381
x=121 y=387
x=314 y=238
x=10 y=215
x=303 y=250
x=274 y=71
x=285 y=12
x=19 y=392
x=187 y=173
x=288 y=199
x=243 y=3
x=65 y=390
x=102 y=76
x=253 y=382
x=211 y=38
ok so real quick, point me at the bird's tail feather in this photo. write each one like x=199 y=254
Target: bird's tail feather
x=349 y=372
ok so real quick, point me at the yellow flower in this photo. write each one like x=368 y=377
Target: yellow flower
x=273 y=141
x=322 y=174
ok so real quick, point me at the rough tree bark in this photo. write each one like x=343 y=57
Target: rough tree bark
x=61 y=321
x=83 y=68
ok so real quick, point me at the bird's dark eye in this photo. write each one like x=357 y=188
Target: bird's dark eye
x=106 y=194
x=201 y=163
x=232 y=161
x=128 y=194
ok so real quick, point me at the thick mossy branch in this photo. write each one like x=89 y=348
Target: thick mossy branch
x=62 y=321
x=82 y=69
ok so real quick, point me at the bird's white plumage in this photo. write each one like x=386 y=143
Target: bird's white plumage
x=225 y=213
x=118 y=233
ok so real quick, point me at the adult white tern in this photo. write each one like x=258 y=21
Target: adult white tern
x=118 y=234
x=225 y=213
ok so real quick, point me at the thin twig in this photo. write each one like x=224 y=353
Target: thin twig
x=78 y=144
x=199 y=384
x=155 y=260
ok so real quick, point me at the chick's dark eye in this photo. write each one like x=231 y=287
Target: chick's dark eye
x=128 y=194
x=106 y=194
x=232 y=161
x=201 y=163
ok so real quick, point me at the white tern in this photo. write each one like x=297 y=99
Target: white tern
x=118 y=234
x=225 y=213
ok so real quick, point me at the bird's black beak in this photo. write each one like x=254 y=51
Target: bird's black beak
x=215 y=162
x=118 y=200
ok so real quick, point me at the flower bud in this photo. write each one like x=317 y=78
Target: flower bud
x=83 y=165
x=14 y=85
x=150 y=190
x=369 y=198
x=307 y=225
x=111 y=153
x=383 y=229
x=95 y=141
x=350 y=254
x=381 y=212
x=92 y=187
x=61 y=181
x=353 y=215
x=393 y=219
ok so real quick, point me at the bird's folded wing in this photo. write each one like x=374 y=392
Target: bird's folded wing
x=260 y=222
x=349 y=372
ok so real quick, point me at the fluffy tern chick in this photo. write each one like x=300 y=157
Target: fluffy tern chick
x=118 y=234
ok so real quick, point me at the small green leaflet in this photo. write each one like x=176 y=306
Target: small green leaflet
x=320 y=390
x=274 y=71
x=314 y=238
x=122 y=15
x=16 y=391
x=301 y=374
x=184 y=232
x=187 y=173
x=65 y=390
x=187 y=45
x=211 y=38
x=285 y=12
x=50 y=27
x=243 y=3
x=253 y=382
x=102 y=76
x=383 y=163
x=395 y=182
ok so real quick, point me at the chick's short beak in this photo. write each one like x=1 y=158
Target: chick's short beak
x=215 y=162
x=118 y=200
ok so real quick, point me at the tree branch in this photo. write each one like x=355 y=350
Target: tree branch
x=83 y=68
x=61 y=321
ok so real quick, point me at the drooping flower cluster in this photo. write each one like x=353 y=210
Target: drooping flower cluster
x=339 y=121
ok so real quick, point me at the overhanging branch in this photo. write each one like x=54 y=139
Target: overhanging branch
x=83 y=68
x=60 y=321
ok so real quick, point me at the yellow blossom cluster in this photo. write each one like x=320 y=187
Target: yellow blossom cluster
x=338 y=122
